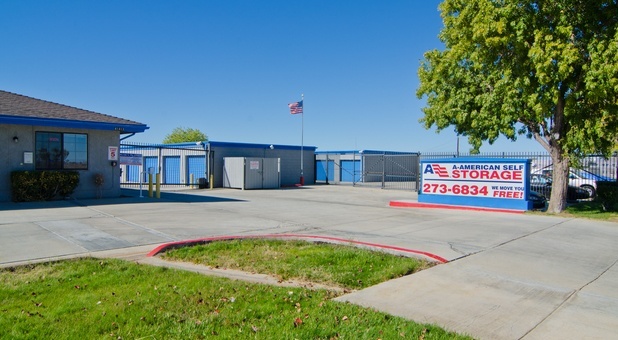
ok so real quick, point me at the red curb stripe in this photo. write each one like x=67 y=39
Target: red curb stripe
x=450 y=207
x=166 y=246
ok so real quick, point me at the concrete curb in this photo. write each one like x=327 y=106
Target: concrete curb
x=176 y=244
x=407 y=204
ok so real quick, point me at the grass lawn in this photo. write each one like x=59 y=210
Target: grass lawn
x=115 y=299
x=340 y=266
x=592 y=210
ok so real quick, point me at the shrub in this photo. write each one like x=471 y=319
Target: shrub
x=607 y=195
x=29 y=186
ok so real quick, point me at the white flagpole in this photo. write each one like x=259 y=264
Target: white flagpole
x=302 y=141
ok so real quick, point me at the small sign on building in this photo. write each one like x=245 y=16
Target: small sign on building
x=112 y=153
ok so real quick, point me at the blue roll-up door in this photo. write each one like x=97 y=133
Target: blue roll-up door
x=171 y=169
x=350 y=171
x=151 y=162
x=133 y=173
x=325 y=170
x=196 y=166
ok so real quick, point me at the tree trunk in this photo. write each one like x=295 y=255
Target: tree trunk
x=560 y=173
x=560 y=182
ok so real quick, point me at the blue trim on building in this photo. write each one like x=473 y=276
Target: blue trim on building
x=75 y=124
x=260 y=146
x=364 y=152
x=213 y=144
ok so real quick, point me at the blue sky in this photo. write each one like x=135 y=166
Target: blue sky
x=229 y=68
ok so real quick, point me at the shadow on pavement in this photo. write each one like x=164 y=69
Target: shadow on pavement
x=129 y=196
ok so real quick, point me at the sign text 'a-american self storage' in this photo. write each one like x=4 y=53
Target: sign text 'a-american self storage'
x=474 y=179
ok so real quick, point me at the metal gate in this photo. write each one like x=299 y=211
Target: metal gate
x=176 y=164
x=389 y=171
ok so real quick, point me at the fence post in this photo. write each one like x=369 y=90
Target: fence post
x=383 y=168
x=149 y=185
x=159 y=185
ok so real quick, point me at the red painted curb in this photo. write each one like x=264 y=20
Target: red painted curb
x=165 y=246
x=451 y=207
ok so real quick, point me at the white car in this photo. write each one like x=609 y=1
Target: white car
x=576 y=179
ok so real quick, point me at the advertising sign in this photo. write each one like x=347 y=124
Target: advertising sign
x=481 y=182
x=131 y=158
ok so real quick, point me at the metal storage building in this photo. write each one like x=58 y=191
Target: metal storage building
x=182 y=162
x=251 y=173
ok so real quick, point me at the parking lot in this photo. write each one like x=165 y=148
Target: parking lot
x=508 y=276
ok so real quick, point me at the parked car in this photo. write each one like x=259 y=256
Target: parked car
x=542 y=185
x=538 y=201
x=575 y=179
x=591 y=175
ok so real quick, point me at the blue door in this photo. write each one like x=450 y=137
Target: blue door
x=171 y=169
x=196 y=166
x=350 y=171
x=325 y=170
x=133 y=173
x=151 y=162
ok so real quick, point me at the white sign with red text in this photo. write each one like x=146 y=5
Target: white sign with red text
x=112 y=153
x=492 y=180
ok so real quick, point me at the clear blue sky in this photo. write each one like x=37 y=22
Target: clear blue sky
x=229 y=68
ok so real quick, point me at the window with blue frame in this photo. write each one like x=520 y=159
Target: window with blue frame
x=58 y=151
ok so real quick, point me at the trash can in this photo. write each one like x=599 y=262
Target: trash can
x=202 y=183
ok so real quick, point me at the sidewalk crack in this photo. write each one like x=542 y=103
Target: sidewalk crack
x=570 y=297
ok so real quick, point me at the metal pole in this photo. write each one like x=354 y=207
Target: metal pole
x=383 y=168
x=302 y=140
x=457 y=146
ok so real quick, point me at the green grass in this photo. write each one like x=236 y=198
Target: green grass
x=335 y=265
x=592 y=210
x=114 y=299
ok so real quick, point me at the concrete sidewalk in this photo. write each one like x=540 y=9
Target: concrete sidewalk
x=510 y=275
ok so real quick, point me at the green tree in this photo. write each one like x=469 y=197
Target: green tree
x=181 y=135
x=544 y=69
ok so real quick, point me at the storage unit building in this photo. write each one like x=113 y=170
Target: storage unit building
x=187 y=163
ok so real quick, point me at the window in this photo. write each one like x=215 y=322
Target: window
x=56 y=151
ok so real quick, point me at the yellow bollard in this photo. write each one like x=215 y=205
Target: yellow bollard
x=159 y=185
x=150 y=185
x=211 y=179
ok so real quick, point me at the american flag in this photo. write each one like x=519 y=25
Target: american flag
x=296 y=107
x=440 y=170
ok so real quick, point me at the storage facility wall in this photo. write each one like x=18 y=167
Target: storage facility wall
x=12 y=159
x=177 y=163
x=290 y=162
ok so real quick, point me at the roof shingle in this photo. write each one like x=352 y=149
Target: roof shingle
x=17 y=105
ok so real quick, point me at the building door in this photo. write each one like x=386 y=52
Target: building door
x=350 y=171
x=171 y=169
x=325 y=170
x=196 y=166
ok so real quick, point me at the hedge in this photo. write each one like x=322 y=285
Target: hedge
x=29 y=186
x=607 y=194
